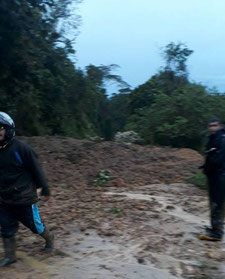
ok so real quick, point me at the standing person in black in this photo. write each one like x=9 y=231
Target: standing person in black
x=214 y=168
x=20 y=176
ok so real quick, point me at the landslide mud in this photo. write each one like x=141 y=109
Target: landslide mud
x=141 y=224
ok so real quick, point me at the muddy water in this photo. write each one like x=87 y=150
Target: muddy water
x=174 y=210
x=86 y=256
x=161 y=245
x=94 y=257
x=209 y=260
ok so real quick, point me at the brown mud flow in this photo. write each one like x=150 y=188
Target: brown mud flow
x=152 y=234
x=77 y=162
x=123 y=229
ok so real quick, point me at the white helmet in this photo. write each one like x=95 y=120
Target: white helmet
x=9 y=125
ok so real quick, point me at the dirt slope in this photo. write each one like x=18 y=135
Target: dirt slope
x=77 y=162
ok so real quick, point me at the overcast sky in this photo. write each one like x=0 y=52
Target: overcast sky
x=131 y=33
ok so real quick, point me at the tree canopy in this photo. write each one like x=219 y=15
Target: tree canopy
x=39 y=85
x=169 y=109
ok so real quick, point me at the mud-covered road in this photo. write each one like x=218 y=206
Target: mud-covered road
x=150 y=233
x=130 y=228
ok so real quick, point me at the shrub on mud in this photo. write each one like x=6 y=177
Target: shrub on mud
x=199 y=180
x=102 y=177
x=117 y=211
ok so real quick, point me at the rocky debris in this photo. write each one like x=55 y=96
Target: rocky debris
x=128 y=137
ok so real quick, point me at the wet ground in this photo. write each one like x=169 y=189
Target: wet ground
x=148 y=232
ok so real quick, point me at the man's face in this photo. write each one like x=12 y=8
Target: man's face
x=213 y=127
x=2 y=132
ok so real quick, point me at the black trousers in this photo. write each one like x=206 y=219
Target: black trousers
x=28 y=215
x=216 y=189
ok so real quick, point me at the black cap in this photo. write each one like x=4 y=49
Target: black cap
x=214 y=119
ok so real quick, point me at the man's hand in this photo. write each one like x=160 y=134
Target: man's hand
x=45 y=194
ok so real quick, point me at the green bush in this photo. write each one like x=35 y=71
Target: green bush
x=118 y=212
x=199 y=180
x=102 y=177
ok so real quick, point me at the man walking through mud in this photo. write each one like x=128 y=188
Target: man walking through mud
x=20 y=176
x=214 y=168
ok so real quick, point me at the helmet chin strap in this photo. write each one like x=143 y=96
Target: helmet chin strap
x=3 y=143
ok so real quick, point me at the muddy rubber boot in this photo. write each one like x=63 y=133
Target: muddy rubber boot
x=210 y=236
x=10 y=251
x=49 y=240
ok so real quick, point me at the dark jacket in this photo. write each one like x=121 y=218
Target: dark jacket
x=215 y=154
x=20 y=174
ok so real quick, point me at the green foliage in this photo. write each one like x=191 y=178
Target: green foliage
x=170 y=110
x=36 y=74
x=99 y=75
x=144 y=95
x=199 y=180
x=176 y=56
x=118 y=111
x=102 y=177
x=178 y=120
x=118 y=212
x=39 y=85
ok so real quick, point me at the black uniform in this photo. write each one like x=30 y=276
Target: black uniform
x=214 y=168
x=20 y=176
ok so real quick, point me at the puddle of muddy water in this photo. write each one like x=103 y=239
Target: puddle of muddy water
x=26 y=267
x=213 y=270
x=175 y=210
x=88 y=256
x=192 y=222
x=93 y=257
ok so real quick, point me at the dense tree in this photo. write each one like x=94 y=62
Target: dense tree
x=39 y=85
x=119 y=110
x=176 y=56
x=98 y=77
x=178 y=120
x=169 y=109
x=172 y=77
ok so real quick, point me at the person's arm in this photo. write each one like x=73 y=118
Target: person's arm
x=221 y=153
x=217 y=156
x=31 y=162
